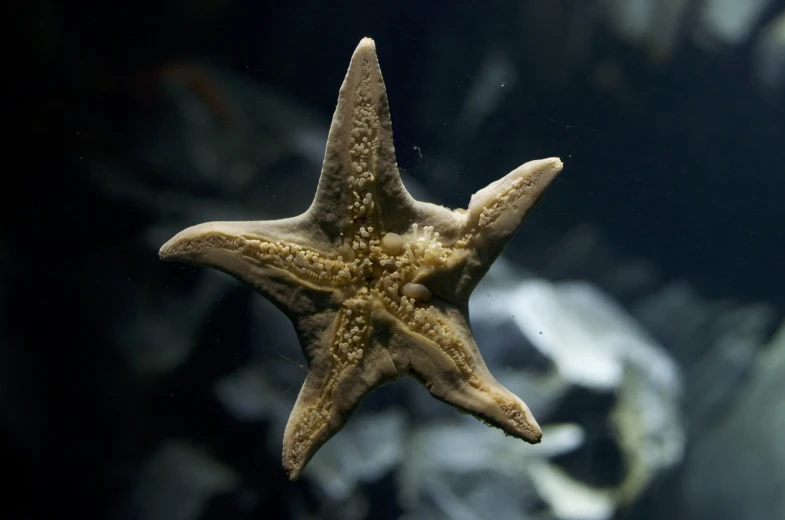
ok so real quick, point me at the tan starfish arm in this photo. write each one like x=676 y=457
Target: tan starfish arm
x=473 y=238
x=298 y=278
x=359 y=183
x=497 y=211
x=445 y=359
x=345 y=365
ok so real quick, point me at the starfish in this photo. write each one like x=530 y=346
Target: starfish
x=376 y=283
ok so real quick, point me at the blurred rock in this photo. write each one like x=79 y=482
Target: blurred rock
x=595 y=344
x=369 y=447
x=179 y=480
x=590 y=338
x=583 y=253
x=660 y=26
x=715 y=342
x=464 y=469
x=729 y=22
x=158 y=338
x=253 y=394
x=225 y=133
x=651 y=24
x=736 y=469
x=249 y=396
x=594 y=349
x=212 y=154
x=569 y=498
x=770 y=53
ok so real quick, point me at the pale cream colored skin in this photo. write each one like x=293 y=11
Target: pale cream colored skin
x=376 y=283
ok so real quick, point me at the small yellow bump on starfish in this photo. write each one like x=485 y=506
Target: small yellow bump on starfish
x=392 y=244
x=346 y=253
x=416 y=291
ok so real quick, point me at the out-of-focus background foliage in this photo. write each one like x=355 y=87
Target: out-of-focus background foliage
x=639 y=311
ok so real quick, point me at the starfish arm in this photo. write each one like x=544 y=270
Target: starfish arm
x=496 y=211
x=279 y=258
x=437 y=348
x=464 y=243
x=345 y=364
x=360 y=184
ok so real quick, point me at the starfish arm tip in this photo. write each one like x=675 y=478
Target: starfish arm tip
x=172 y=248
x=534 y=435
x=183 y=242
x=512 y=415
x=293 y=472
x=365 y=47
x=168 y=251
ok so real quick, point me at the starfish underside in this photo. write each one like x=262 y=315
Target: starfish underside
x=376 y=283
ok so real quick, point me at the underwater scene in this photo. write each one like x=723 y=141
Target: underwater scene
x=508 y=260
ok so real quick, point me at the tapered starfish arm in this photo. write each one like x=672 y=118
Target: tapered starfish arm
x=296 y=277
x=498 y=210
x=359 y=183
x=476 y=236
x=438 y=349
x=344 y=365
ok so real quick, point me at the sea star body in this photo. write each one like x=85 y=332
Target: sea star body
x=376 y=283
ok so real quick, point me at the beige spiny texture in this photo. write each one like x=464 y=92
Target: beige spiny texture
x=376 y=283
